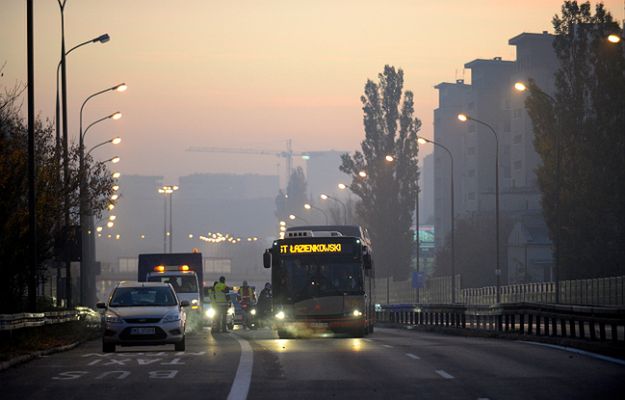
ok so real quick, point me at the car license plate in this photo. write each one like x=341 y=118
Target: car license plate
x=318 y=325
x=142 y=331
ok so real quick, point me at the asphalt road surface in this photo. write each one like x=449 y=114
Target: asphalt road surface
x=388 y=364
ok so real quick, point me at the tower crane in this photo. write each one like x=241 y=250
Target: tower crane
x=287 y=155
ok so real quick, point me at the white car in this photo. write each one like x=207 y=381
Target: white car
x=142 y=314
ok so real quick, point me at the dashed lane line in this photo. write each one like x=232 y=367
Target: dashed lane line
x=413 y=356
x=387 y=346
x=444 y=374
x=241 y=384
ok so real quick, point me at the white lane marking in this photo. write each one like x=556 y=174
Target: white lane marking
x=368 y=340
x=413 y=356
x=387 y=346
x=577 y=351
x=241 y=384
x=444 y=374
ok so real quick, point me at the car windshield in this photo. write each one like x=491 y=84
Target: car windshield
x=181 y=283
x=143 y=296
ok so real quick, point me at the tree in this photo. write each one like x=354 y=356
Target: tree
x=49 y=202
x=587 y=124
x=293 y=201
x=388 y=193
x=474 y=239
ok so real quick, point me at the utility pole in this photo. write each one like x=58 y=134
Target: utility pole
x=32 y=216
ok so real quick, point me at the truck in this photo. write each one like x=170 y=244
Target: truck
x=182 y=270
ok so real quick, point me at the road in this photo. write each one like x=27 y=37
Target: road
x=390 y=363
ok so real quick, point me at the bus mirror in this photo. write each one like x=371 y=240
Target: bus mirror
x=267 y=259
x=366 y=260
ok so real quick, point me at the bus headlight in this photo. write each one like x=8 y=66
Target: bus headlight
x=357 y=313
x=280 y=315
x=210 y=313
x=253 y=312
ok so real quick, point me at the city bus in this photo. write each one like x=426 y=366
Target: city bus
x=321 y=281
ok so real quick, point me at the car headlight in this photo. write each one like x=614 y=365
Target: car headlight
x=253 y=312
x=210 y=313
x=357 y=313
x=171 y=318
x=280 y=315
x=113 y=319
x=231 y=311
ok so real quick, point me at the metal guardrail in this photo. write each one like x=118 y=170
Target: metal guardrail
x=578 y=322
x=609 y=291
x=10 y=322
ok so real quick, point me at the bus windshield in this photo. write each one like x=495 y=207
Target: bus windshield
x=306 y=277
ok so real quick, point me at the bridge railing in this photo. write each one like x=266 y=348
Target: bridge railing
x=12 y=322
x=600 y=324
x=608 y=291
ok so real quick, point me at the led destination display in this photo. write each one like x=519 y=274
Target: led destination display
x=310 y=248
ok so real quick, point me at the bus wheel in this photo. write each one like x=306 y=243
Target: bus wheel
x=359 y=332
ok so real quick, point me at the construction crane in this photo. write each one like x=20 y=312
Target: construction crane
x=287 y=155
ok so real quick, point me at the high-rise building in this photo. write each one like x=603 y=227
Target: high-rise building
x=491 y=98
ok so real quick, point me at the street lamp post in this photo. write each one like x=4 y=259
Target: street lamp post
x=452 y=214
x=63 y=66
x=521 y=87
x=168 y=191
x=294 y=217
x=310 y=206
x=465 y=118
x=85 y=209
x=325 y=197
x=102 y=39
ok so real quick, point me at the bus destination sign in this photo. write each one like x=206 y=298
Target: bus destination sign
x=310 y=248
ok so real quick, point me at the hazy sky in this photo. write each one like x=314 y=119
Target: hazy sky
x=251 y=73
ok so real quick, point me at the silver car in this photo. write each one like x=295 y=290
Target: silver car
x=142 y=314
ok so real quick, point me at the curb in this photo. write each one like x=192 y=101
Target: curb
x=37 y=354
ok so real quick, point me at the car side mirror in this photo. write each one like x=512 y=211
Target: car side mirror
x=267 y=259
x=101 y=304
x=184 y=303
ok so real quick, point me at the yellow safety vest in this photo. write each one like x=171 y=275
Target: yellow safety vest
x=220 y=293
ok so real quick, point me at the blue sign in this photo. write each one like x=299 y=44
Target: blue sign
x=418 y=280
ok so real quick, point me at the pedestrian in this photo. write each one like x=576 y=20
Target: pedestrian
x=264 y=303
x=221 y=304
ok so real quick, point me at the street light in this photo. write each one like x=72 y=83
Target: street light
x=293 y=217
x=167 y=191
x=423 y=140
x=310 y=206
x=116 y=175
x=613 y=38
x=325 y=197
x=101 y=39
x=521 y=87
x=342 y=186
x=465 y=118
x=116 y=140
x=63 y=66
x=362 y=174
x=389 y=158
